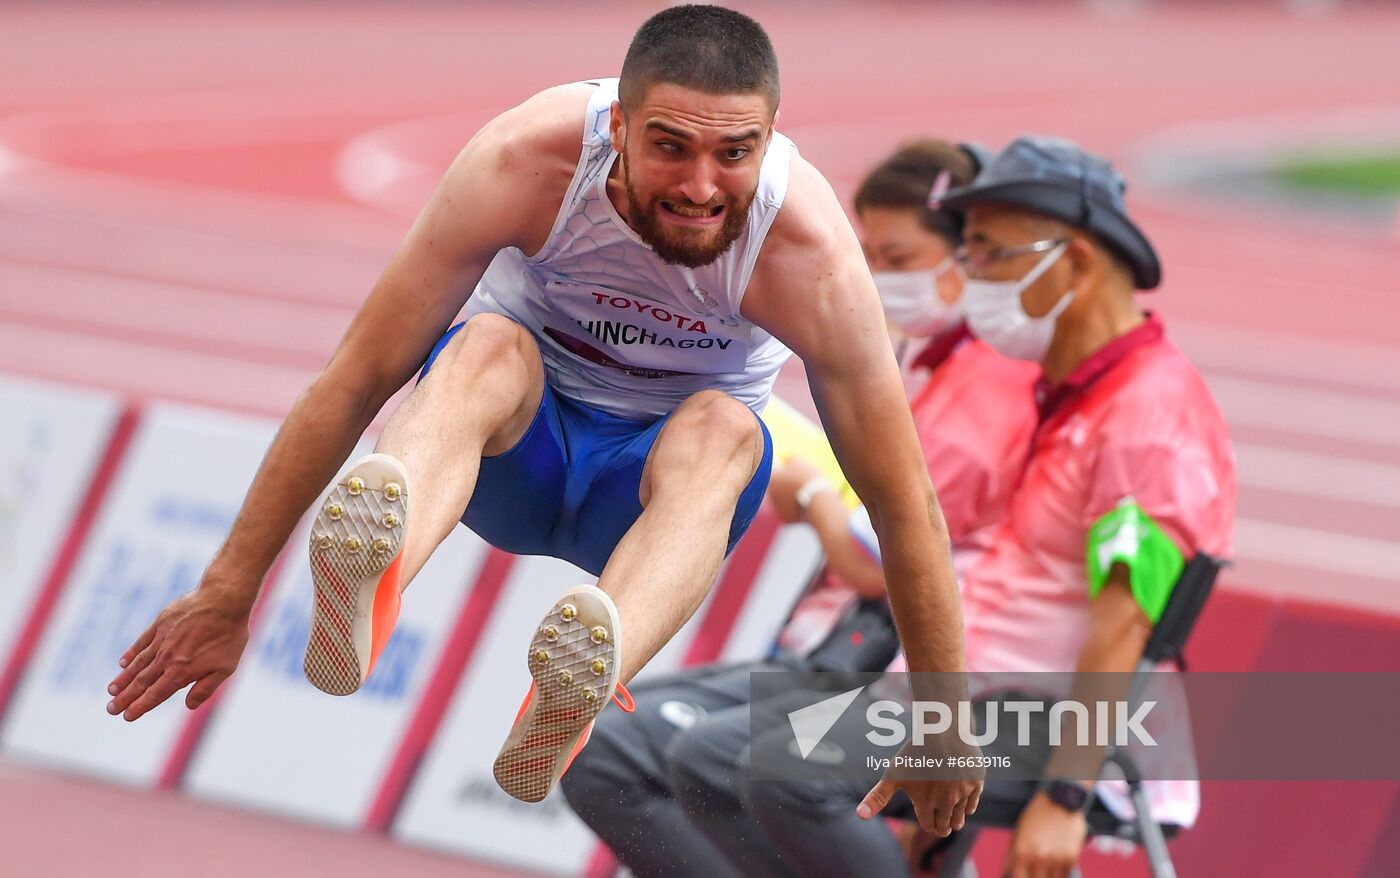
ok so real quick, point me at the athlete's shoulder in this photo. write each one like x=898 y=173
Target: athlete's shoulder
x=811 y=215
x=810 y=282
x=811 y=237
x=516 y=170
x=544 y=131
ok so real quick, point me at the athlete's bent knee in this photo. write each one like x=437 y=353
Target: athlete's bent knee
x=493 y=340
x=496 y=359
x=713 y=423
x=712 y=439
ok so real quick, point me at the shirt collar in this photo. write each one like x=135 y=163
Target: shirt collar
x=937 y=351
x=1050 y=397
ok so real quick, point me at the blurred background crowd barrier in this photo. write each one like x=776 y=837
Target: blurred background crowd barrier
x=195 y=197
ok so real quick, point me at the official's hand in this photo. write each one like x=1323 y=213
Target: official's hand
x=197 y=639
x=916 y=844
x=1047 y=840
x=787 y=478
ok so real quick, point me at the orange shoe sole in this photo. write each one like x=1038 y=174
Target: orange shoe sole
x=573 y=659
x=355 y=565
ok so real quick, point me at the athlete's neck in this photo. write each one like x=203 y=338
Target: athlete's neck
x=617 y=191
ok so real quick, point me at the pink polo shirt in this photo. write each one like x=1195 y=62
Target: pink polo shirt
x=974 y=417
x=1134 y=420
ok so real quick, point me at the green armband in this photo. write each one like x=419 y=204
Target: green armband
x=1130 y=537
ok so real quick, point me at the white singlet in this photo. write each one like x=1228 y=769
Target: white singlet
x=619 y=329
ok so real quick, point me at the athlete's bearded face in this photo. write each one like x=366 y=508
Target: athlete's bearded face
x=689 y=169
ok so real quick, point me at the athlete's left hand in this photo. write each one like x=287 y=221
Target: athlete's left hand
x=942 y=805
x=1047 y=840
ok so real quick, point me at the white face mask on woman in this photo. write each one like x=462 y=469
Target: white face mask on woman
x=912 y=303
x=995 y=313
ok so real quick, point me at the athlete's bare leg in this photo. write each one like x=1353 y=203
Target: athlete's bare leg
x=591 y=640
x=665 y=564
x=370 y=540
x=477 y=400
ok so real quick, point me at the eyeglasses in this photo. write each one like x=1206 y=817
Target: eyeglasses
x=973 y=262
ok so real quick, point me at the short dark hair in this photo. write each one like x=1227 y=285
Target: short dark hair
x=707 y=48
x=905 y=179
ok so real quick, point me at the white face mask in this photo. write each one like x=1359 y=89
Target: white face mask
x=995 y=313
x=912 y=302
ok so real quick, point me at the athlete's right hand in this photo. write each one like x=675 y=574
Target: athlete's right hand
x=197 y=639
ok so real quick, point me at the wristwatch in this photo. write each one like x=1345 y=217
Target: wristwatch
x=1068 y=794
x=809 y=491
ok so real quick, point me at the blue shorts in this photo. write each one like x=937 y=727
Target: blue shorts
x=569 y=488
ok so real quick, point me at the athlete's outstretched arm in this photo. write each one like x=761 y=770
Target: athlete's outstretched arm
x=813 y=291
x=489 y=199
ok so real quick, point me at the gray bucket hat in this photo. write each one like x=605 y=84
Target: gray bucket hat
x=1054 y=177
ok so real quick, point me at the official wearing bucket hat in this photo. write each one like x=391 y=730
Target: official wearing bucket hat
x=1054 y=177
x=1050 y=253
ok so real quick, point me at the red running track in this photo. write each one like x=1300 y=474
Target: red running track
x=65 y=827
